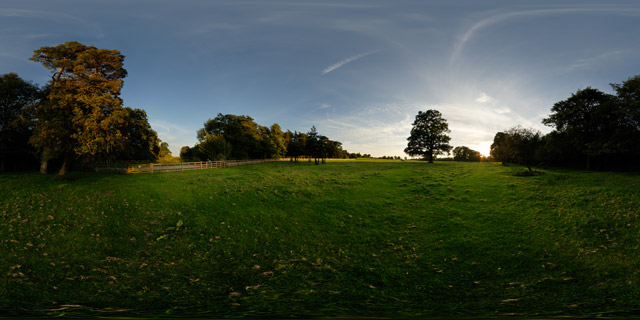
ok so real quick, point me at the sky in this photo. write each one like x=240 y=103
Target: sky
x=357 y=70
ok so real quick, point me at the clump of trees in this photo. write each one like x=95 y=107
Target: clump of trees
x=240 y=137
x=592 y=130
x=516 y=145
x=78 y=115
x=464 y=153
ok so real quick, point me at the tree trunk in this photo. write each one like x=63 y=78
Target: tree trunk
x=588 y=162
x=44 y=161
x=64 y=168
x=430 y=157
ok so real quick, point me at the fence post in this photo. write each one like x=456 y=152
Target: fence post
x=181 y=166
x=151 y=166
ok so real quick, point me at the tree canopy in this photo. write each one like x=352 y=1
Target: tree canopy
x=428 y=136
x=592 y=130
x=595 y=126
x=142 y=141
x=16 y=95
x=464 y=153
x=240 y=137
x=516 y=145
x=81 y=114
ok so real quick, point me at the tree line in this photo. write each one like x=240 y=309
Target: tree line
x=591 y=130
x=77 y=117
x=229 y=136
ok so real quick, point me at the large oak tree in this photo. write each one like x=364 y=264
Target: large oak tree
x=429 y=136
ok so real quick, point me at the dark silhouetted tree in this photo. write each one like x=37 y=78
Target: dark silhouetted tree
x=190 y=153
x=501 y=148
x=428 y=136
x=298 y=145
x=628 y=94
x=589 y=120
x=627 y=135
x=15 y=119
x=315 y=144
x=142 y=141
x=465 y=154
x=517 y=145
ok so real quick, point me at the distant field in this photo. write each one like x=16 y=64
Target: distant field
x=357 y=238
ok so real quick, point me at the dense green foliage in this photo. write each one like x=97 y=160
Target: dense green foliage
x=240 y=137
x=142 y=141
x=359 y=238
x=428 y=136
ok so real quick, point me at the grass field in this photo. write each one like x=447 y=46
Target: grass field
x=353 y=238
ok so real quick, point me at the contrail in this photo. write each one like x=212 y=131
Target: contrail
x=347 y=60
x=470 y=33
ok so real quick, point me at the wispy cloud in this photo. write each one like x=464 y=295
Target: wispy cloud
x=497 y=18
x=52 y=16
x=321 y=106
x=378 y=130
x=484 y=98
x=588 y=62
x=347 y=60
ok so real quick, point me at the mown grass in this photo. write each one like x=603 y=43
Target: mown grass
x=351 y=238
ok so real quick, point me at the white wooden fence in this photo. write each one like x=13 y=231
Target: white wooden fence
x=178 y=166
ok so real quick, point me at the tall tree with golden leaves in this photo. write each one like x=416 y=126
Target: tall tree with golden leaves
x=81 y=115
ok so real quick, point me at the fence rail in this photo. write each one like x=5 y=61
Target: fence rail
x=179 y=166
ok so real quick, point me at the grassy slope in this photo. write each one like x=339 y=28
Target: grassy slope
x=345 y=238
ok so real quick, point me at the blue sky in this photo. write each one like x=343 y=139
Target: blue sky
x=357 y=70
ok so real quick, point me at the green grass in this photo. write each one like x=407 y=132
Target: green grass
x=353 y=238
